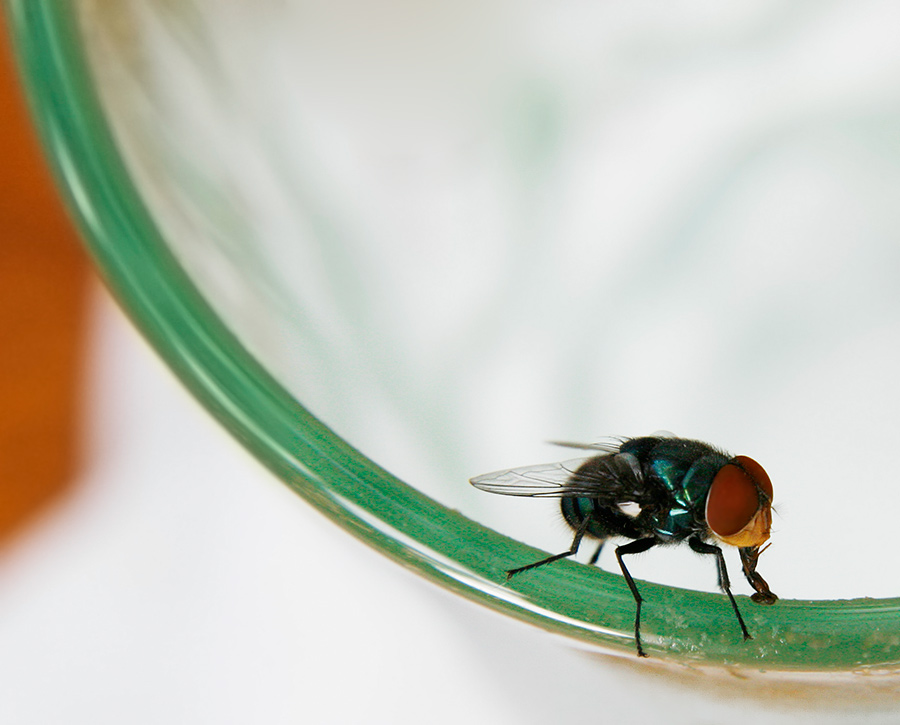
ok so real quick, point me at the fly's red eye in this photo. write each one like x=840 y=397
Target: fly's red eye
x=757 y=473
x=734 y=495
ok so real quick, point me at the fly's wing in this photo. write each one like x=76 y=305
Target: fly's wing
x=606 y=445
x=541 y=480
x=606 y=478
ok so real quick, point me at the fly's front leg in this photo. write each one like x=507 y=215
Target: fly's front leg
x=749 y=558
x=701 y=547
x=576 y=542
x=634 y=547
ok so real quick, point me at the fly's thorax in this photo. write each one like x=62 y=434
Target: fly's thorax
x=679 y=474
x=739 y=504
x=685 y=468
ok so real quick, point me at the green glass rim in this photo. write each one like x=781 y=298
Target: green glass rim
x=577 y=601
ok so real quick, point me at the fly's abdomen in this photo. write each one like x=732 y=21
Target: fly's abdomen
x=576 y=509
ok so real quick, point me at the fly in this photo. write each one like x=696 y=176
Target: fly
x=655 y=491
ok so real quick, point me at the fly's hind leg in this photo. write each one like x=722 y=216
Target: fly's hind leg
x=701 y=547
x=576 y=542
x=634 y=547
x=596 y=554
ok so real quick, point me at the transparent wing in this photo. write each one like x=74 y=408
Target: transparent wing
x=606 y=445
x=612 y=477
x=542 y=480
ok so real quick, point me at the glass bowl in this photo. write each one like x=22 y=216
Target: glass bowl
x=392 y=243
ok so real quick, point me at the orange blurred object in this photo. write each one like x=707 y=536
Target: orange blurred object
x=43 y=290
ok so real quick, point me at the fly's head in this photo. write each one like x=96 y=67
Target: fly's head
x=739 y=504
x=739 y=513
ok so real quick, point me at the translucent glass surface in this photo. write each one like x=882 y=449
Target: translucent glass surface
x=393 y=247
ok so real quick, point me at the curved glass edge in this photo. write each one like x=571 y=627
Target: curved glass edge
x=585 y=603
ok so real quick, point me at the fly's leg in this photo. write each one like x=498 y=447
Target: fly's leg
x=701 y=547
x=596 y=554
x=576 y=542
x=634 y=547
x=749 y=558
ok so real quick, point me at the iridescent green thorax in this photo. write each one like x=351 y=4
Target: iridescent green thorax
x=682 y=471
